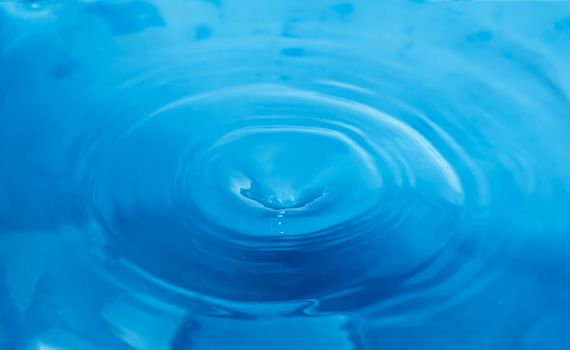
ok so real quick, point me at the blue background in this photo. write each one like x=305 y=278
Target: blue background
x=284 y=175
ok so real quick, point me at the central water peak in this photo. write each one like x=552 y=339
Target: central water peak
x=280 y=196
x=317 y=173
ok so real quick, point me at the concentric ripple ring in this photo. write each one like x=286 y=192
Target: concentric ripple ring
x=286 y=185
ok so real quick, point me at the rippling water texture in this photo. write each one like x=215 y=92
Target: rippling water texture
x=284 y=175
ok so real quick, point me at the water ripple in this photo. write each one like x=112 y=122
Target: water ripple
x=309 y=171
x=272 y=190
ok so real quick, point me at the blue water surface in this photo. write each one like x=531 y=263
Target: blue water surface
x=248 y=174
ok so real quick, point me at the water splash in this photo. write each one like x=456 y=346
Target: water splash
x=324 y=175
